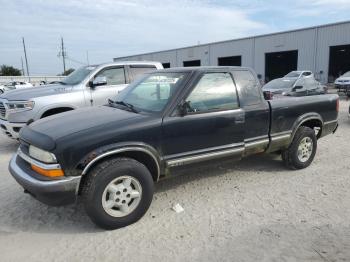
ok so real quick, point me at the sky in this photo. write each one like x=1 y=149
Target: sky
x=105 y=29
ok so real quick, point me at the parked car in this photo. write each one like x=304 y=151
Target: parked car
x=14 y=85
x=2 y=89
x=299 y=74
x=87 y=86
x=343 y=83
x=293 y=87
x=111 y=155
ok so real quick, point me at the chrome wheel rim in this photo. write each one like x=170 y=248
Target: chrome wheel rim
x=305 y=149
x=121 y=196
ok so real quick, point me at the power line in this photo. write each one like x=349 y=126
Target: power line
x=63 y=53
x=75 y=61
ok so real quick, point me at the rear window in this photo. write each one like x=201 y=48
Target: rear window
x=248 y=86
x=138 y=70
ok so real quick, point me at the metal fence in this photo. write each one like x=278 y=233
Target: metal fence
x=35 y=80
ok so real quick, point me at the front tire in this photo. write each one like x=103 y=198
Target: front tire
x=302 y=150
x=117 y=192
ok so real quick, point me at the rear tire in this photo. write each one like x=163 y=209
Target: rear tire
x=117 y=192
x=302 y=150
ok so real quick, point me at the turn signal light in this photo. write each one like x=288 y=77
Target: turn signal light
x=47 y=172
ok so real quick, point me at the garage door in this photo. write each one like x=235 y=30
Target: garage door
x=339 y=61
x=278 y=64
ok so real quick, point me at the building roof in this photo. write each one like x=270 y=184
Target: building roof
x=238 y=39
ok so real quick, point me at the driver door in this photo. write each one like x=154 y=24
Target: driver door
x=116 y=81
x=213 y=125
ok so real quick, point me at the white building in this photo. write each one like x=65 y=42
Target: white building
x=323 y=49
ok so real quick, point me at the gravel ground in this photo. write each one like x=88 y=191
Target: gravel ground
x=252 y=210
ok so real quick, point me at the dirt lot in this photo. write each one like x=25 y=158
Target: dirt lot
x=253 y=210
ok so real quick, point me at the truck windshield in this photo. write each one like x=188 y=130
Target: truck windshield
x=347 y=74
x=280 y=84
x=78 y=75
x=152 y=92
x=293 y=74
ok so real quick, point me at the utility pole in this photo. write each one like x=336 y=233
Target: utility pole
x=22 y=66
x=63 y=53
x=87 y=57
x=25 y=57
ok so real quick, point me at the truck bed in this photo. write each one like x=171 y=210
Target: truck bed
x=287 y=113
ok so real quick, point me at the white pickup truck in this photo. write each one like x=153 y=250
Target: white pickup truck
x=86 y=86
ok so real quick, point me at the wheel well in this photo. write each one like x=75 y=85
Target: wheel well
x=139 y=156
x=55 y=111
x=314 y=124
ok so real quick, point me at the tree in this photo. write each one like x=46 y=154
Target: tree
x=68 y=71
x=6 y=70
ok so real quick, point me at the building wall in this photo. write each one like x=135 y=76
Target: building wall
x=326 y=37
x=312 y=45
x=243 y=48
x=303 y=41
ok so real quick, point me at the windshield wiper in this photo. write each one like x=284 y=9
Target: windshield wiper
x=61 y=82
x=127 y=105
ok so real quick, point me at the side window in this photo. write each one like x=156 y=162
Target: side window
x=214 y=91
x=138 y=70
x=114 y=76
x=300 y=82
x=310 y=84
x=248 y=86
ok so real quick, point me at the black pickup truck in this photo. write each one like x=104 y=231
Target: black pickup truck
x=111 y=155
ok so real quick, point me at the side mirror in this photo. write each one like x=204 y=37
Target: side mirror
x=268 y=95
x=183 y=108
x=98 y=81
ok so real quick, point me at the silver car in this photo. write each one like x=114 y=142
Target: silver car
x=86 y=86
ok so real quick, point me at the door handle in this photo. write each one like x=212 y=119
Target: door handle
x=239 y=119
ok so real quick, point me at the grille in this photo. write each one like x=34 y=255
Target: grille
x=2 y=110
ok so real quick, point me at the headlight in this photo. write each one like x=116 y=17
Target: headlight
x=18 y=106
x=42 y=155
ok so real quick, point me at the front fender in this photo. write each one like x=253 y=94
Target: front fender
x=94 y=156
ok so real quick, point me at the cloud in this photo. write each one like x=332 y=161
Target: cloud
x=110 y=28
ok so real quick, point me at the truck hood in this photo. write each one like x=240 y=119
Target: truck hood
x=80 y=120
x=32 y=92
x=342 y=79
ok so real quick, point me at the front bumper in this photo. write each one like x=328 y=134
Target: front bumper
x=11 y=129
x=343 y=87
x=56 y=192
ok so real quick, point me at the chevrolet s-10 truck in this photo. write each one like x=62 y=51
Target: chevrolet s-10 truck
x=110 y=156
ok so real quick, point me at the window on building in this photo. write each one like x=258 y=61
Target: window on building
x=230 y=61
x=166 y=65
x=192 y=63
